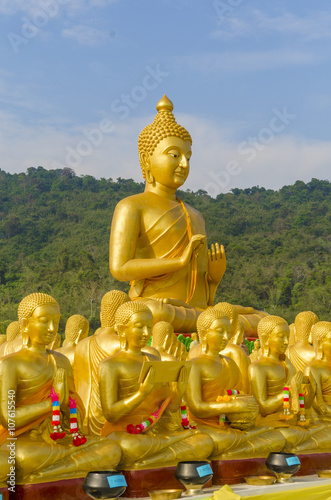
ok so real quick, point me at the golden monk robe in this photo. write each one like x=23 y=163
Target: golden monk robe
x=321 y=371
x=29 y=375
x=158 y=242
x=269 y=375
x=77 y=328
x=301 y=353
x=126 y=402
x=211 y=376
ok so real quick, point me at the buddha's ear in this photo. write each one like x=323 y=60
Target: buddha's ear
x=145 y=164
x=120 y=329
x=24 y=329
x=203 y=342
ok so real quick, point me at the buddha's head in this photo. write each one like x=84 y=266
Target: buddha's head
x=164 y=149
x=133 y=323
x=39 y=316
x=13 y=329
x=231 y=312
x=77 y=328
x=321 y=335
x=303 y=324
x=213 y=327
x=110 y=302
x=273 y=332
x=162 y=335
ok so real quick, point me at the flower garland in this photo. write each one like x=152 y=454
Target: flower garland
x=184 y=416
x=78 y=438
x=286 y=415
x=58 y=432
x=302 y=412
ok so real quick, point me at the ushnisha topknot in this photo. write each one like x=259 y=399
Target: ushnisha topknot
x=31 y=302
x=206 y=318
x=126 y=310
x=164 y=125
x=268 y=324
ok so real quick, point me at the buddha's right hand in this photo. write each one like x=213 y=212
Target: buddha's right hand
x=148 y=383
x=195 y=244
x=60 y=386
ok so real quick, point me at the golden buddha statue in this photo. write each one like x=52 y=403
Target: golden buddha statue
x=301 y=353
x=158 y=242
x=126 y=402
x=269 y=375
x=321 y=370
x=212 y=375
x=29 y=376
x=77 y=328
x=88 y=355
x=162 y=336
x=256 y=352
x=292 y=338
x=12 y=331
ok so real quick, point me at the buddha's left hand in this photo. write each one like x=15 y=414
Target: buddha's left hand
x=216 y=263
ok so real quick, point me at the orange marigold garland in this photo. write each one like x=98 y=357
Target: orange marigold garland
x=78 y=438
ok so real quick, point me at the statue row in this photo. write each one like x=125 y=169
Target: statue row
x=205 y=413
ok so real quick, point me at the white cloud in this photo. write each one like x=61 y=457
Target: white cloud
x=283 y=161
x=12 y=7
x=251 y=61
x=246 y=23
x=86 y=35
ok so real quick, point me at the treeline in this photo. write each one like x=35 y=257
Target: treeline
x=54 y=232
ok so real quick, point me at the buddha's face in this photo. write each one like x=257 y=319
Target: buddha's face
x=169 y=163
x=43 y=325
x=138 y=330
x=279 y=339
x=218 y=335
x=326 y=344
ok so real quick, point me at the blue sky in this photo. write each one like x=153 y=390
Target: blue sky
x=250 y=80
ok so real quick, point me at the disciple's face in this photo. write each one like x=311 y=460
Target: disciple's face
x=278 y=339
x=218 y=335
x=169 y=163
x=43 y=325
x=138 y=330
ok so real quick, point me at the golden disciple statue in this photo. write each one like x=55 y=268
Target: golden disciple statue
x=29 y=375
x=301 y=353
x=77 y=328
x=321 y=369
x=127 y=403
x=270 y=375
x=212 y=376
x=12 y=332
x=162 y=337
x=157 y=241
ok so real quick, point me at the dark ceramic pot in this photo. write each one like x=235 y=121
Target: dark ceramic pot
x=108 y=484
x=283 y=465
x=193 y=475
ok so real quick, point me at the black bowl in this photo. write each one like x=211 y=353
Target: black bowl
x=193 y=473
x=104 y=484
x=283 y=463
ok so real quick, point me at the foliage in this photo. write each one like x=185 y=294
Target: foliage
x=54 y=231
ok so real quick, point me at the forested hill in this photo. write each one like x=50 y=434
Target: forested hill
x=54 y=233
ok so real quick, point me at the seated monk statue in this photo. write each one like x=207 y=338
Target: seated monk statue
x=321 y=370
x=77 y=328
x=256 y=352
x=301 y=353
x=233 y=351
x=269 y=375
x=29 y=375
x=162 y=336
x=157 y=241
x=12 y=331
x=212 y=375
x=88 y=355
x=127 y=403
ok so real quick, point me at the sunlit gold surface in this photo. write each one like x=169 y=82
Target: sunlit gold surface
x=211 y=375
x=125 y=402
x=165 y=494
x=30 y=374
x=260 y=480
x=324 y=473
x=159 y=243
x=77 y=328
x=269 y=375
